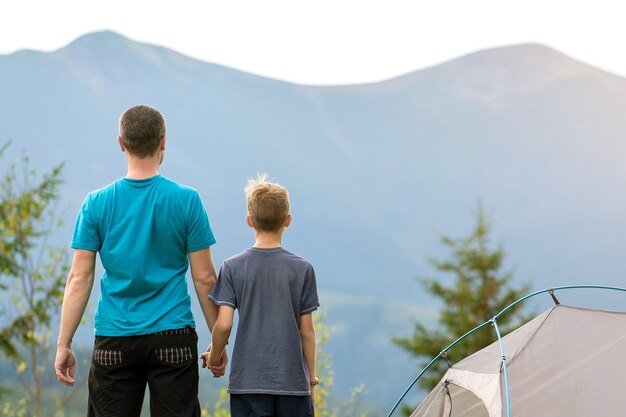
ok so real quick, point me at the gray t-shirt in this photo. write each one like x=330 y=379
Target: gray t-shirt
x=271 y=289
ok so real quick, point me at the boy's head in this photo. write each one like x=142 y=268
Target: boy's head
x=142 y=129
x=268 y=204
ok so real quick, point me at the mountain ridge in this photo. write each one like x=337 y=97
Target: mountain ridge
x=375 y=171
x=109 y=39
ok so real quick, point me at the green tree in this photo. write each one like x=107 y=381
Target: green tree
x=32 y=276
x=480 y=289
x=323 y=364
x=220 y=408
x=350 y=407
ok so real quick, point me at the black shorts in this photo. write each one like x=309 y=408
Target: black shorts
x=121 y=367
x=267 y=405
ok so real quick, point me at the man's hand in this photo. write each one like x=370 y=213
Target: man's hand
x=219 y=369
x=75 y=298
x=65 y=366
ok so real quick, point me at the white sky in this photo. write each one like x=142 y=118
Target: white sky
x=327 y=41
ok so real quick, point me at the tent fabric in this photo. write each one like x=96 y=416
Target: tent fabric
x=566 y=362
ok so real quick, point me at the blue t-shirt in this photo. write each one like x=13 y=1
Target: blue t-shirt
x=143 y=230
x=271 y=289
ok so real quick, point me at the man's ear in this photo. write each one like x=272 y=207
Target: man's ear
x=121 y=142
x=249 y=221
x=287 y=221
x=163 y=141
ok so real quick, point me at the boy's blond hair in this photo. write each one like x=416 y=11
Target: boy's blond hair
x=268 y=203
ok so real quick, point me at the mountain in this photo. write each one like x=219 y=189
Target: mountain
x=376 y=171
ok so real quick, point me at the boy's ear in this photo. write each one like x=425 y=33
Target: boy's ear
x=287 y=221
x=121 y=143
x=163 y=141
x=249 y=221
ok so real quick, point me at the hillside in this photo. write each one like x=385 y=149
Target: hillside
x=375 y=171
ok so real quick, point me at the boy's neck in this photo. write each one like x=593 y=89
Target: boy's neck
x=268 y=240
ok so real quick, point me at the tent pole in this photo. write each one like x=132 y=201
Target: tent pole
x=493 y=321
x=504 y=370
x=412 y=383
x=431 y=363
x=565 y=287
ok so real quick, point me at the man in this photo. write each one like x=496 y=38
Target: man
x=147 y=230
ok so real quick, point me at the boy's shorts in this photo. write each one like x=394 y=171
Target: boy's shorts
x=264 y=405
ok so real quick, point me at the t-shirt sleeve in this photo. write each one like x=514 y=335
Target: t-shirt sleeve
x=86 y=235
x=309 y=301
x=199 y=233
x=223 y=292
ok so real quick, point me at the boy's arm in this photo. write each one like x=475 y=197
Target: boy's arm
x=307 y=335
x=220 y=334
x=75 y=298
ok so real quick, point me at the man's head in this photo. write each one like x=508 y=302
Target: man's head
x=142 y=130
x=268 y=204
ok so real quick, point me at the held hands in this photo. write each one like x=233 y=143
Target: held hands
x=65 y=366
x=217 y=365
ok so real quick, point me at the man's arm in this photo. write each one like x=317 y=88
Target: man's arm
x=204 y=278
x=307 y=335
x=75 y=298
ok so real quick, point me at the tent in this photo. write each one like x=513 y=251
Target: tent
x=566 y=362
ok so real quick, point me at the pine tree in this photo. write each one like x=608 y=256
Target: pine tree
x=480 y=289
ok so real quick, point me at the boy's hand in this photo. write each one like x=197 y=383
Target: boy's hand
x=218 y=368
x=314 y=382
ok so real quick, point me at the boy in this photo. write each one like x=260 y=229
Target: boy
x=273 y=365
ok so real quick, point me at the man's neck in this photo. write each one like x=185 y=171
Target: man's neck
x=268 y=240
x=142 y=168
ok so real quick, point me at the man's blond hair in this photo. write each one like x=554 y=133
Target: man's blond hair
x=268 y=203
